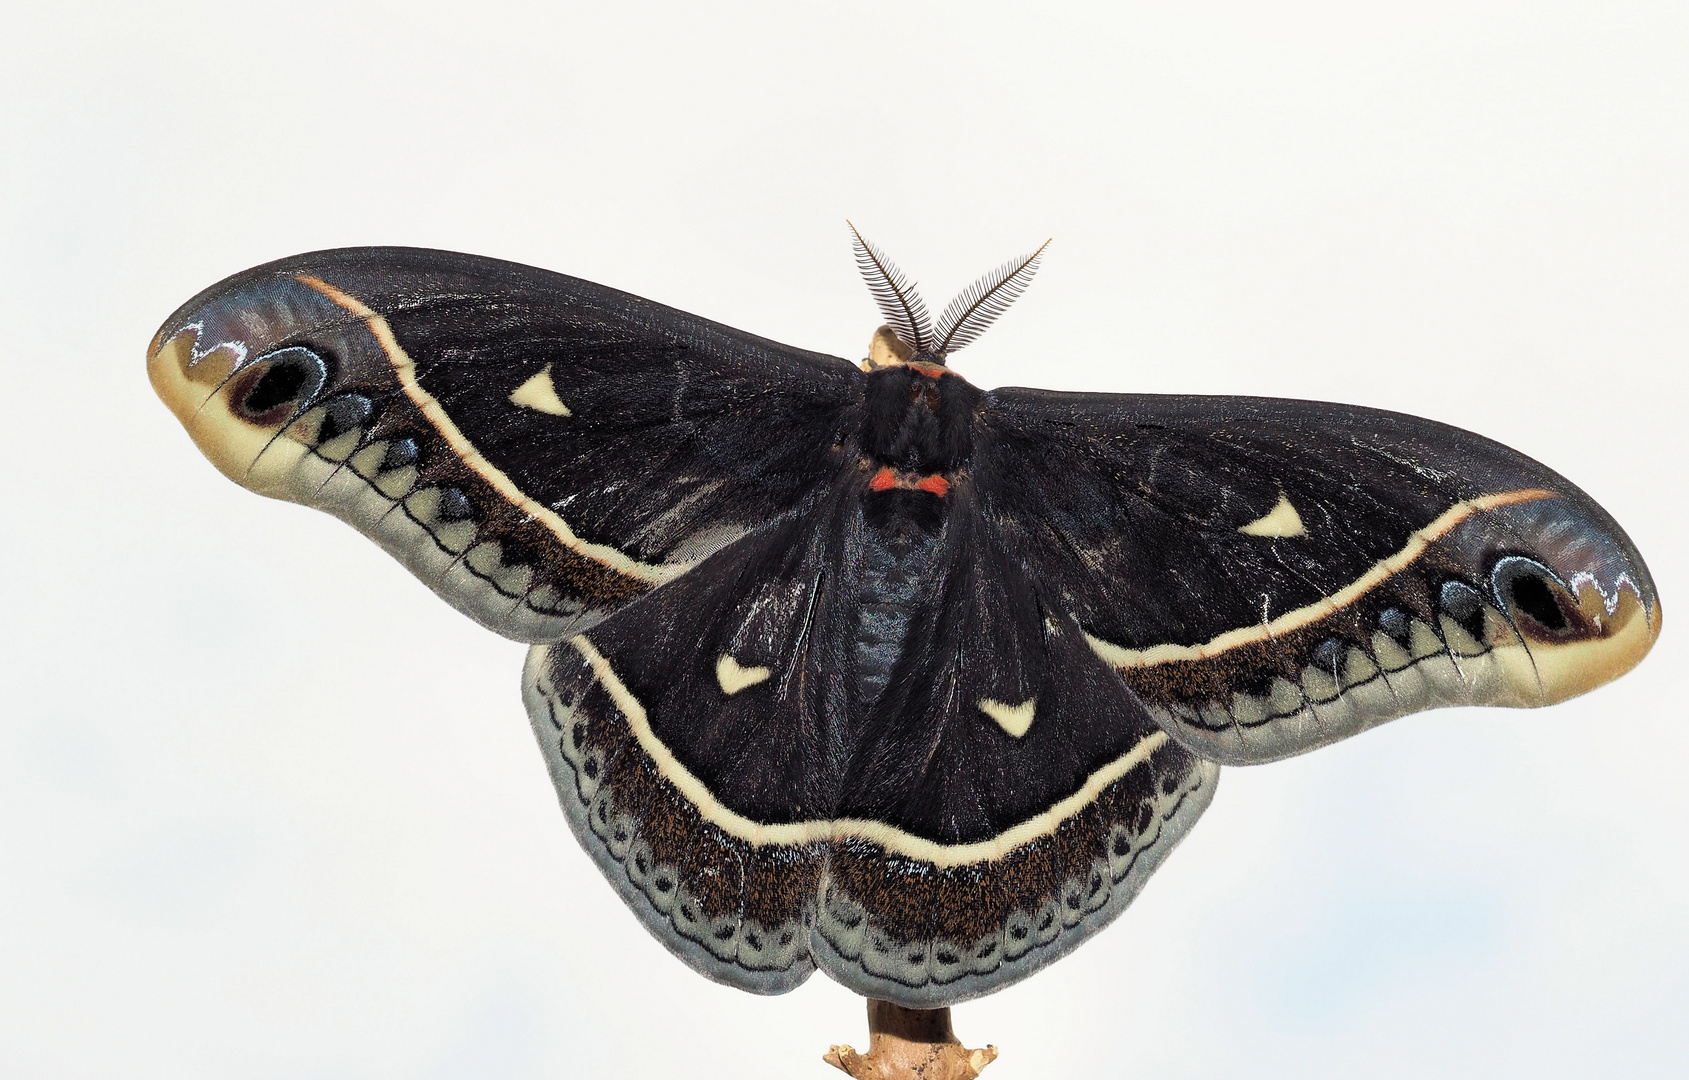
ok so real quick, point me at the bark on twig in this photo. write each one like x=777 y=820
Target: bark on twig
x=910 y=1044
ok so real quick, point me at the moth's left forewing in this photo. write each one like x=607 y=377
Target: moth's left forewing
x=537 y=449
x=1270 y=576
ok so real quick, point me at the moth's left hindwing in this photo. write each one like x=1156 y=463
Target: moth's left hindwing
x=538 y=449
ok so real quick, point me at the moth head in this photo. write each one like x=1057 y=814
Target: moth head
x=909 y=336
x=887 y=349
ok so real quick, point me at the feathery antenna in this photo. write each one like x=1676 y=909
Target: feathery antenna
x=977 y=306
x=895 y=294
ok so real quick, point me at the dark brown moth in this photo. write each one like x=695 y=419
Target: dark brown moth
x=864 y=668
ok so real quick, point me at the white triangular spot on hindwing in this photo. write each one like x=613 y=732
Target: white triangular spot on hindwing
x=734 y=678
x=1014 y=719
x=1282 y=521
x=539 y=394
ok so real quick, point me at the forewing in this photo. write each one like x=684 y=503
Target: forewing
x=1269 y=576
x=538 y=449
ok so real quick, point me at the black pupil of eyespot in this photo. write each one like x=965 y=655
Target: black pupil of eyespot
x=278 y=385
x=1532 y=596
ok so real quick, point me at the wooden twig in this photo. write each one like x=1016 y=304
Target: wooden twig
x=910 y=1044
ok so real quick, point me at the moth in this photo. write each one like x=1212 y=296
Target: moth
x=859 y=667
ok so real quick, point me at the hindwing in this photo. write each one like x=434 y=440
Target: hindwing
x=997 y=798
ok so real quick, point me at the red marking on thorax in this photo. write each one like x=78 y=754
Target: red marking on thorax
x=888 y=478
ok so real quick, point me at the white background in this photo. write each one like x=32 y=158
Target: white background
x=270 y=809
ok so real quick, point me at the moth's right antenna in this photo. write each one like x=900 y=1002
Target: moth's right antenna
x=895 y=294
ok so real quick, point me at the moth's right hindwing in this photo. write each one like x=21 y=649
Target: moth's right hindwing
x=539 y=450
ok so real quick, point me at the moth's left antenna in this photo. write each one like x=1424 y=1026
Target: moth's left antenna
x=978 y=305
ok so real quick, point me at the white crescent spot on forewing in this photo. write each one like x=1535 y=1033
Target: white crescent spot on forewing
x=540 y=394
x=1281 y=522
